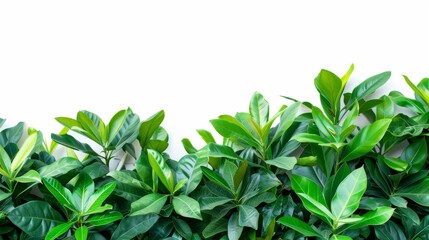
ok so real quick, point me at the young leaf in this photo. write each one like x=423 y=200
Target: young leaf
x=286 y=120
x=324 y=125
x=158 y=164
x=83 y=190
x=259 y=109
x=377 y=217
x=366 y=139
x=218 y=151
x=309 y=138
x=115 y=125
x=369 y=86
x=206 y=136
x=103 y=219
x=418 y=92
x=330 y=87
x=96 y=200
x=81 y=233
x=23 y=154
x=229 y=127
x=149 y=126
x=151 y=203
x=340 y=237
x=299 y=226
x=187 y=207
x=5 y=163
x=395 y=163
x=62 y=194
x=59 y=230
x=349 y=193
x=91 y=129
x=30 y=177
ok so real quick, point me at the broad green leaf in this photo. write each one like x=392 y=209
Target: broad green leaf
x=190 y=167
x=215 y=227
x=149 y=126
x=90 y=127
x=240 y=173
x=187 y=207
x=418 y=92
x=62 y=194
x=411 y=104
x=301 y=184
x=101 y=209
x=129 y=130
x=130 y=227
x=71 y=142
x=419 y=192
x=299 y=226
x=162 y=170
x=59 y=167
x=377 y=217
x=307 y=161
x=183 y=228
x=286 y=120
x=386 y=109
x=206 y=136
x=309 y=138
x=143 y=168
x=59 y=230
x=115 y=125
x=208 y=203
x=264 y=197
x=162 y=229
x=216 y=178
x=248 y=216
x=229 y=169
x=424 y=227
x=259 y=109
x=157 y=145
x=127 y=177
x=35 y=218
x=366 y=139
x=104 y=219
x=234 y=228
x=416 y=155
x=151 y=203
x=30 y=177
x=340 y=237
x=349 y=193
x=180 y=185
x=5 y=163
x=218 y=151
x=81 y=233
x=229 y=127
x=389 y=231
x=369 y=86
x=330 y=87
x=4 y=195
x=398 y=201
x=316 y=207
x=68 y=122
x=285 y=163
x=96 y=200
x=187 y=145
x=395 y=163
x=23 y=154
x=324 y=125
x=83 y=190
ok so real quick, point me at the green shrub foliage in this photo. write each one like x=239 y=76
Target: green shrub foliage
x=352 y=166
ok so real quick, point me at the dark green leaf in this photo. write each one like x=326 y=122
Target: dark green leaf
x=216 y=178
x=208 y=203
x=299 y=226
x=386 y=109
x=218 y=151
x=130 y=227
x=369 y=86
x=389 y=231
x=190 y=167
x=162 y=170
x=248 y=216
x=419 y=192
x=234 y=228
x=416 y=155
x=215 y=227
x=62 y=194
x=72 y=143
x=183 y=228
x=149 y=126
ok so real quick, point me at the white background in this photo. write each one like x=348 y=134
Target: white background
x=195 y=59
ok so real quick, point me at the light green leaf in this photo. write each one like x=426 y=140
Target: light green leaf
x=386 y=109
x=218 y=151
x=316 y=207
x=96 y=200
x=81 y=233
x=30 y=177
x=83 y=190
x=229 y=127
x=104 y=219
x=286 y=163
x=324 y=125
x=206 y=136
x=366 y=139
x=309 y=138
x=286 y=120
x=248 y=216
x=340 y=237
x=349 y=193
x=5 y=163
x=151 y=203
x=115 y=125
x=208 y=203
x=369 y=86
x=91 y=130
x=59 y=230
x=377 y=217
x=190 y=167
x=395 y=163
x=299 y=226
x=330 y=87
x=149 y=126
x=4 y=195
x=419 y=92
x=187 y=207
x=23 y=154
x=159 y=165
x=62 y=194
x=234 y=228
x=259 y=109
x=59 y=167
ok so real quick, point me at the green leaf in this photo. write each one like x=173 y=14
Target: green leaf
x=395 y=163
x=218 y=151
x=299 y=226
x=369 y=86
x=340 y=237
x=68 y=122
x=386 y=109
x=411 y=104
x=389 y=231
x=71 y=142
x=62 y=194
x=187 y=145
x=324 y=125
x=286 y=163
x=59 y=230
x=30 y=177
x=151 y=203
x=229 y=127
x=23 y=154
x=208 y=203
x=380 y=216
x=96 y=200
x=103 y=219
x=83 y=190
x=216 y=178
x=149 y=126
x=286 y=120
x=351 y=117
x=418 y=92
x=89 y=126
x=206 y=136
x=59 y=167
x=128 y=177
x=416 y=155
x=159 y=165
x=4 y=195
x=366 y=139
x=248 y=216
x=190 y=167
x=215 y=227
x=183 y=228
x=316 y=207
x=259 y=109
x=115 y=125
x=349 y=193
x=301 y=184
x=187 y=207
x=81 y=233
x=5 y=163
x=234 y=228
x=330 y=87
x=35 y=218
x=240 y=173
x=309 y=138
x=130 y=227
x=419 y=192
x=129 y=130
x=398 y=201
